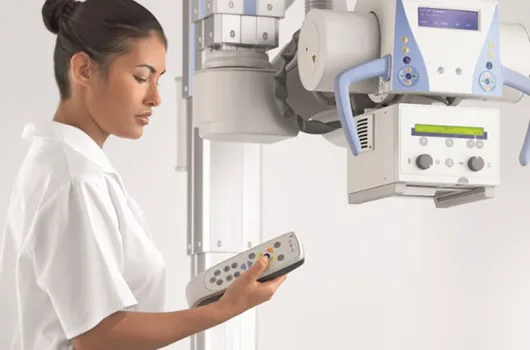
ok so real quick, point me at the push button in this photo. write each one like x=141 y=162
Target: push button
x=408 y=76
x=487 y=81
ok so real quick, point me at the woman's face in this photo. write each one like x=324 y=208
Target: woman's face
x=121 y=99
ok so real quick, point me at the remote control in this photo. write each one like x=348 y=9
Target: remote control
x=285 y=254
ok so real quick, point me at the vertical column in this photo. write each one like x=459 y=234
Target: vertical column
x=223 y=195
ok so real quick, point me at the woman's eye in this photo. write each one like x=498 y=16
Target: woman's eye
x=140 y=80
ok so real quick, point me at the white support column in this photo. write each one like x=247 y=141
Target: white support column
x=224 y=217
x=224 y=201
x=226 y=191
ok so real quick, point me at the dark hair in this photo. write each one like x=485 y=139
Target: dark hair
x=99 y=28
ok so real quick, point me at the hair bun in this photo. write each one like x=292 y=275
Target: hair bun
x=54 y=12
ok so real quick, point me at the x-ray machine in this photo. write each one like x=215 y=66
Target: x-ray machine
x=385 y=82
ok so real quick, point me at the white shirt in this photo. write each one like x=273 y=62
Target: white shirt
x=76 y=247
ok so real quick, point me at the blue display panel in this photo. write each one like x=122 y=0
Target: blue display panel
x=444 y=18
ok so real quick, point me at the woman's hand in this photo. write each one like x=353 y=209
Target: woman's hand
x=246 y=292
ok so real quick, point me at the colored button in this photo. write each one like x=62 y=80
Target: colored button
x=491 y=45
x=406 y=59
x=404 y=39
x=281 y=257
x=243 y=267
x=408 y=76
x=489 y=65
x=270 y=250
x=405 y=49
x=237 y=274
x=277 y=245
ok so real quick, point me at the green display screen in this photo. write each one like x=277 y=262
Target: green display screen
x=449 y=130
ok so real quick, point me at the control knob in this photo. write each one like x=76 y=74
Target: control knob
x=424 y=161
x=475 y=163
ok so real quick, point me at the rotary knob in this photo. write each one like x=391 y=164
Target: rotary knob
x=424 y=161
x=475 y=163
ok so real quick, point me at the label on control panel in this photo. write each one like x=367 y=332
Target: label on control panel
x=472 y=132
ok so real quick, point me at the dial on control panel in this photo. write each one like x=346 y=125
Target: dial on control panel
x=475 y=163
x=424 y=161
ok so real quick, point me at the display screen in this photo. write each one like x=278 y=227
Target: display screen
x=444 y=18
x=449 y=130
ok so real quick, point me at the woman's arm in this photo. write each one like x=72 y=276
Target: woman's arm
x=150 y=331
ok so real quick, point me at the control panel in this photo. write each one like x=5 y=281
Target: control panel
x=444 y=48
x=449 y=141
x=283 y=249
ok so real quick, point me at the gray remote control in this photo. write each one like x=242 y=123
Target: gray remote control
x=285 y=254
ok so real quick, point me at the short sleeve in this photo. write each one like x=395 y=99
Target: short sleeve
x=78 y=256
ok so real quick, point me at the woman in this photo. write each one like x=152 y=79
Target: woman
x=77 y=265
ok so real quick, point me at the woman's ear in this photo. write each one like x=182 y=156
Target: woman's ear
x=82 y=68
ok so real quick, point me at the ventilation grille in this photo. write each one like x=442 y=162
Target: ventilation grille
x=365 y=132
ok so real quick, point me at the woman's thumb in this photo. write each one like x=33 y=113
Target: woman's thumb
x=259 y=267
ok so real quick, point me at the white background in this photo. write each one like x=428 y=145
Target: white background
x=392 y=275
